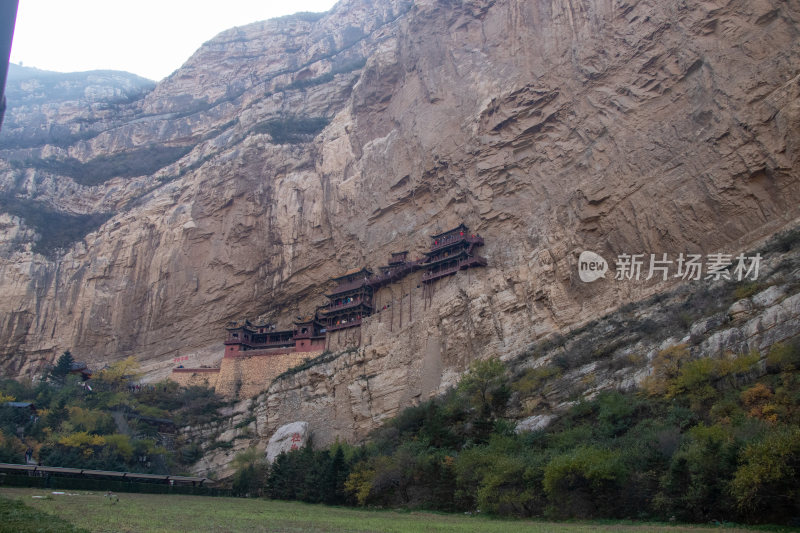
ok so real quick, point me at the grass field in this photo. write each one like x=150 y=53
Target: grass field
x=173 y=513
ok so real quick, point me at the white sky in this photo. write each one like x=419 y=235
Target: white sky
x=151 y=38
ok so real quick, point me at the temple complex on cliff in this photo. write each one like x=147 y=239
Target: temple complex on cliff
x=256 y=353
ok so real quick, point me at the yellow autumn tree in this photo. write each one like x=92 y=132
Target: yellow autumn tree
x=118 y=375
x=121 y=444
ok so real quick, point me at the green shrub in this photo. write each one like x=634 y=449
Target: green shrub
x=784 y=357
x=535 y=379
x=783 y=242
x=245 y=422
x=700 y=380
x=615 y=413
x=666 y=367
x=502 y=477
x=504 y=487
x=12 y=450
x=250 y=478
x=485 y=387
x=324 y=78
x=292 y=130
x=695 y=485
x=748 y=289
x=224 y=444
x=584 y=483
x=321 y=476
x=190 y=453
x=766 y=485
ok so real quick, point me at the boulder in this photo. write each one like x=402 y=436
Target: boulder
x=287 y=437
x=535 y=423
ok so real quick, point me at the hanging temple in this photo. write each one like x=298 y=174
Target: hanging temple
x=257 y=353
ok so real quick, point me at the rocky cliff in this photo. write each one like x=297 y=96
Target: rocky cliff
x=288 y=151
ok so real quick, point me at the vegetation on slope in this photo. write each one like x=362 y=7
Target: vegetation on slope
x=707 y=439
x=140 y=162
x=292 y=130
x=57 y=230
x=108 y=425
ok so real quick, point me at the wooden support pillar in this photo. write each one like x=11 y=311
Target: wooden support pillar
x=401 y=308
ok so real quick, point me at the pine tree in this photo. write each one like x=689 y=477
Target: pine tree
x=337 y=475
x=305 y=475
x=277 y=483
x=62 y=368
x=317 y=482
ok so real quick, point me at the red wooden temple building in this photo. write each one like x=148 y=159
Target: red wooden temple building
x=399 y=267
x=451 y=251
x=248 y=337
x=350 y=301
x=309 y=333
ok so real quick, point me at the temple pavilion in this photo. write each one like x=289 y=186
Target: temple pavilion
x=309 y=333
x=350 y=301
x=451 y=251
x=249 y=336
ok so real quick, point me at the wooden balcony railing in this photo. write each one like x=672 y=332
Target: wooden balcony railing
x=475 y=240
x=445 y=259
x=430 y=276
x=259 y=345
x=331 y=308
x=397 y=272
x=349 y=286
x=462 y=264
x=351 y=324
x=473 y=261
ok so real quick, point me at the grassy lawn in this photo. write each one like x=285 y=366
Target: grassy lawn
x=172 y=513
x=17 y=517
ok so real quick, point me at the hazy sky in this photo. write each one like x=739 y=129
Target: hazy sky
x=147 y=37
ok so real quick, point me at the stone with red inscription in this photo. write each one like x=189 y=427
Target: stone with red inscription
x=288 y=437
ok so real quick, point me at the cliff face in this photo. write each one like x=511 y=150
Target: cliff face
x=285 y=152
